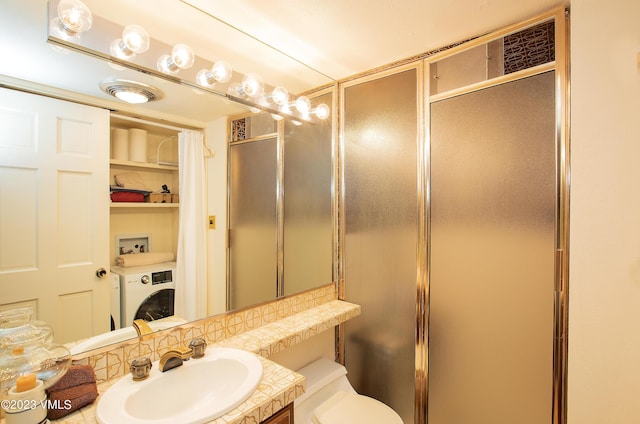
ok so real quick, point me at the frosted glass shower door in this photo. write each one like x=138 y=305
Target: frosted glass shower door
x=252 y=223
x=380 y=179
x=492 y=240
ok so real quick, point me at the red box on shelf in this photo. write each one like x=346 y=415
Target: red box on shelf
x=127 y=196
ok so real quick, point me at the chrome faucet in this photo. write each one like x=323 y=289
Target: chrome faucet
x=174 y=358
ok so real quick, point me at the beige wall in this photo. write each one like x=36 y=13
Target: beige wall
x=604 y=309
x=216 y=167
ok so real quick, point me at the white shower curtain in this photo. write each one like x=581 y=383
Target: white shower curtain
x=191 y=281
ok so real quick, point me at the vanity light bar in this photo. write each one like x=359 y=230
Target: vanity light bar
x=74 y=17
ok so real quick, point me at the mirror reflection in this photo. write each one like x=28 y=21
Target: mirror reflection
x=62 y=280
x=263 y=166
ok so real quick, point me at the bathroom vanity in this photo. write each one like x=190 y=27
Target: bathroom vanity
x=263 y=329
x=284 y=416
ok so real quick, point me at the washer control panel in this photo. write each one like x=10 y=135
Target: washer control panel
x=161 y=277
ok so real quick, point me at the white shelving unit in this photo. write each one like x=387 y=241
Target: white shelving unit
x=159 y=219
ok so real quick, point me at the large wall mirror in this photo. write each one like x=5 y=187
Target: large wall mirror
x=281 y=208
x=34 y=65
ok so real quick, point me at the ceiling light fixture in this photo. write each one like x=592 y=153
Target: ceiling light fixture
x=131 y=91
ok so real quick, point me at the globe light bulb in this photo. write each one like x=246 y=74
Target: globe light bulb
x=205 y=78
x=280 y=96
x=221 y=71
x=182 y=56
x=303 y=105
x=75 y=17
x=165 y=65
x=56 y=29
x=119 y=50
x=135 y=38
x=322 y=111
x=235 y=89
x=252 y=85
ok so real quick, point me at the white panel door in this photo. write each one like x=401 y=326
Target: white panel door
x=54 y=212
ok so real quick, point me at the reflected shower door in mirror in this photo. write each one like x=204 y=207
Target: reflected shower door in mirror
x=308 y=183
x=281 y=208
x=252 y=268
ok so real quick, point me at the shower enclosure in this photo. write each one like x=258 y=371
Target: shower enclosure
x=454 y=233
x=492 y=255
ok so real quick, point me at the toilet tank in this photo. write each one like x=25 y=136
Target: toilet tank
x=324 y=377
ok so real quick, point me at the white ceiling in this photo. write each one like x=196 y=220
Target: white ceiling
x=341 y=38
x=302 y=44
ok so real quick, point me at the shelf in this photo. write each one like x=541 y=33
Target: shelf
x=151 y=166
x=143 y=205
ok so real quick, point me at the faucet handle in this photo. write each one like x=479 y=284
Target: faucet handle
x=140 y=368
x=198 y=346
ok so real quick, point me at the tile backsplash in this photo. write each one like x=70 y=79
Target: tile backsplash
x=113 y=361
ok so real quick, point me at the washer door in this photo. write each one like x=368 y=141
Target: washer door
x=158 y=305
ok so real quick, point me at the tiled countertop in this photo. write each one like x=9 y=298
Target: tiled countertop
x=278 y=388
x=279 y=385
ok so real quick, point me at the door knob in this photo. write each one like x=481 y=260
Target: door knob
x=101 y=272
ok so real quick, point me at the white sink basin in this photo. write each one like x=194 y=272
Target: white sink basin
x=197 y=392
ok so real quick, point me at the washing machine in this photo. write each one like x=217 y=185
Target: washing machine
x=146 y=292
x=116 y=310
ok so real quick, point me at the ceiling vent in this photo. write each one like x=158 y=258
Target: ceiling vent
x=131 y=91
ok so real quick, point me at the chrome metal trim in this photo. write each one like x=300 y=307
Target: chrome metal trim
x=422 y=252
x=280 y=210
x=339 y=343
x=227 y=284
x=561 y=319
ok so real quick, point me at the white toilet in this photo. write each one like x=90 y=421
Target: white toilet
x=330 y=399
